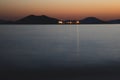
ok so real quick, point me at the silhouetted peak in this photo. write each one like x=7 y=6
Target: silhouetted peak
x=34 y=16
x=43 y=19
x=91 y=18
x=44 y=16
x=30 y=16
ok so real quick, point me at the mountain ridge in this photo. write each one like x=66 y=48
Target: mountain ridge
x=43 y=19
x=32 y=19
x=92 y=20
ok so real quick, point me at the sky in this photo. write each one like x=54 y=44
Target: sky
x=61 y=9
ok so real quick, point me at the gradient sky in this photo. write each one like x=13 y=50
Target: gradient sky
x=62 y=9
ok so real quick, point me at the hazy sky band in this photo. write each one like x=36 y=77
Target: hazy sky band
x=62 y=9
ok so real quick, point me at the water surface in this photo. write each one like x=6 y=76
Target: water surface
x=80 y=49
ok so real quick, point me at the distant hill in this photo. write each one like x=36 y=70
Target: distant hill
x=43 y=19
x=2 y=21
x=32 y=19
x=5 y=22
x=117 y=21
x=91 y=20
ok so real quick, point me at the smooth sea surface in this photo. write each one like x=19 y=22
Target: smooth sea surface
x=60 y=52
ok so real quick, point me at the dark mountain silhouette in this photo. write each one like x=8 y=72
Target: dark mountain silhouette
x=117 y=21
x=91 y=20
x=6 y=22
x=32 y=19
x=2 y=21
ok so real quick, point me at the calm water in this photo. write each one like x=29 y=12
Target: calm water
x=60 y=48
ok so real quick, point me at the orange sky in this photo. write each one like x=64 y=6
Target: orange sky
x=62 y=9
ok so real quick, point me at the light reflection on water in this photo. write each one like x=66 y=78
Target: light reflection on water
x=40 y=46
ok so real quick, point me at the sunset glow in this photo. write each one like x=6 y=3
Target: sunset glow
x=62 y=9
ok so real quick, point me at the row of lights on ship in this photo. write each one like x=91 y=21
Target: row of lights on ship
x=69 y=22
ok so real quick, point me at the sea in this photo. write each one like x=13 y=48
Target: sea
x=60 y=52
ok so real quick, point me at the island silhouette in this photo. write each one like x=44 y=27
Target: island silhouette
x=43 y=19
x=32 y=19
x=92 y=20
